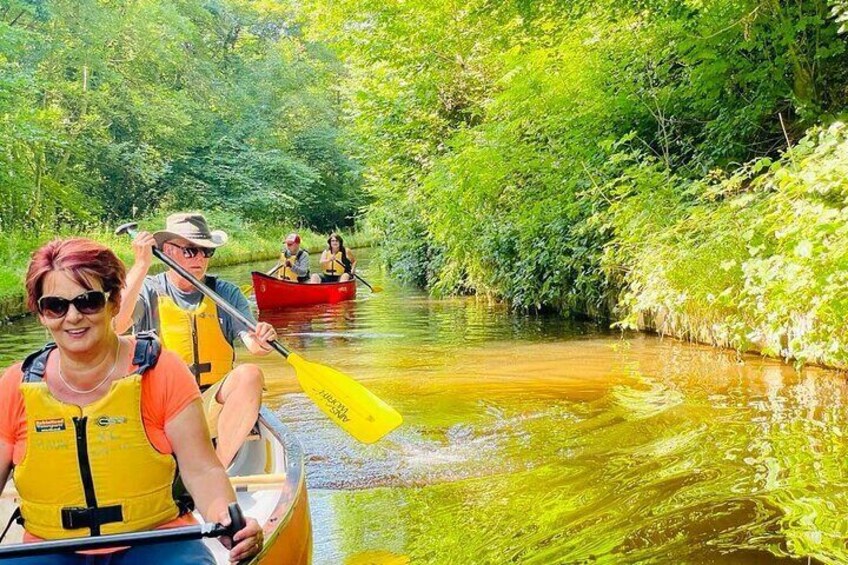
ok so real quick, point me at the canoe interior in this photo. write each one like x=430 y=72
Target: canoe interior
x=282 y=510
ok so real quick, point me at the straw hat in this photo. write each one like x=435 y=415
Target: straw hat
x=192 y=227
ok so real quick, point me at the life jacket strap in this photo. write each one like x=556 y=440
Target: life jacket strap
x=36 y=363
x=16 y=517
x=147 y=349
x=92 y=517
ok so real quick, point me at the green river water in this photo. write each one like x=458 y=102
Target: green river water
x=529 y=439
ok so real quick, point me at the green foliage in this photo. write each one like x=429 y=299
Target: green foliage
x=757 y=260
x=523 y=149
x=113 y=110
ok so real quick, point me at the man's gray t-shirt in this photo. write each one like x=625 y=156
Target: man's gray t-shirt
x=146 y=312
x=301 y=262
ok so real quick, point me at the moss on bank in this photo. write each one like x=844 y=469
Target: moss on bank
x=248 y=242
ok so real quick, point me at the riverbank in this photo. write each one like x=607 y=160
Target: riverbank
x=756 y=261
x=248 y=243
x=753 y=258
x=651 y=166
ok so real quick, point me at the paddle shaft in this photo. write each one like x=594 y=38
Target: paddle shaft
x=214 y=296
x=275 y=269
x=184 y=533
x=167 y=535
x=363 y=281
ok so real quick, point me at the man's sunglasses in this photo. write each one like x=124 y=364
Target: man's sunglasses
x=87 y=303
x=191 y=252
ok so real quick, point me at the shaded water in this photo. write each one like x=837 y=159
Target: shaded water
x=533 y=440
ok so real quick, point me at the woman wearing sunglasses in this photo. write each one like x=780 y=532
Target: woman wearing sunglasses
x=95 y=424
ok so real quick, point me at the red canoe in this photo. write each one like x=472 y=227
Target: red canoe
x=272 y=293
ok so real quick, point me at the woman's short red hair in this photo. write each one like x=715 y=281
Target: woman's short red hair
x=84 y=260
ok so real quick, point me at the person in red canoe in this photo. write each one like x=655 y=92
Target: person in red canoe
x=337 y=263
x=294 y=261
x=95 y=424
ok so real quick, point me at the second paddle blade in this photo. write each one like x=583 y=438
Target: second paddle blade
x=349 y=404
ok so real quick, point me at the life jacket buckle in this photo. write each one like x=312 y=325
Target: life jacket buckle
x=76 y=517
x=198 y=369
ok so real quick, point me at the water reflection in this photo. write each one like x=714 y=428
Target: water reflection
x=617 y=456
x=20 y=338
x=321 y=325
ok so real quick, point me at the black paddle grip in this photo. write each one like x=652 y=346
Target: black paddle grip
x=237 y=522
x=128 y=228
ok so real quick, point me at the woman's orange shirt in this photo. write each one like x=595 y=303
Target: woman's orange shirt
x=166 y=390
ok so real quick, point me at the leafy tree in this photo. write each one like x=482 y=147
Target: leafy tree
x=114 y=110
x=488 y=130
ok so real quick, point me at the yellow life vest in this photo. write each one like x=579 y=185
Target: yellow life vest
x=336 y=268
x=92 y=470
x=196 y=336
x=286 y=273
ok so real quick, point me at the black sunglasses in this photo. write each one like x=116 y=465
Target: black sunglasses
x=87 y=303
x=191 y=252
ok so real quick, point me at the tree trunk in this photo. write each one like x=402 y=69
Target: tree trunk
x=60 y=169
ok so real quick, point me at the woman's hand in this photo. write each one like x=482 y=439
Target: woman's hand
x=142 y=246
x=246 y=543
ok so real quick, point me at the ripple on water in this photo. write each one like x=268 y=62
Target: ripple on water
x=611 y=458
x=410 y=457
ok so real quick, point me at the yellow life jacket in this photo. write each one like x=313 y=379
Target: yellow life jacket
x=339 y=266
x=92 y=470
x=286 y=273
x=196 y=336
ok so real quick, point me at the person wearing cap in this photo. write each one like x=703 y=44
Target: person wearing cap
x=294 y=261
x=191 y=325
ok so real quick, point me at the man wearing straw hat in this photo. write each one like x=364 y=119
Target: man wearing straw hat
x=191 y=325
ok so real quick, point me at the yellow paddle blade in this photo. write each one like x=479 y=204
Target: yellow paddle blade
x=376 y=288
x=349 y=404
